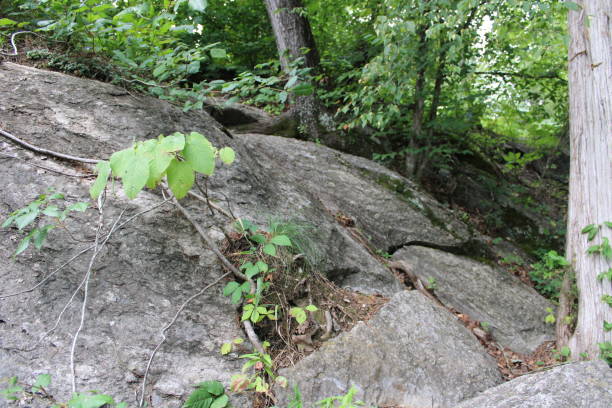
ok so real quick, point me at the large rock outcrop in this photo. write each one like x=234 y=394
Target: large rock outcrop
x=154 y=263
x=413 y=353
x=486 y=293
x=577 y=385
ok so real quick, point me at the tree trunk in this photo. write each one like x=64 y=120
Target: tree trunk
x=294 y=39
x=590 y=195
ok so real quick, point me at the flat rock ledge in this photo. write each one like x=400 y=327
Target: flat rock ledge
x=413 y=353
x=514 y=312
x=577 y=385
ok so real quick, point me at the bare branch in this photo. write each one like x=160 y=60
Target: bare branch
x=13 y=43
x=46 y=152
x=44 y=167
x=163 y=333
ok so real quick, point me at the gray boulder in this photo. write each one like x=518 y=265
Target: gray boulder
x=413 y=353
x=514 y=312
x=577 y=385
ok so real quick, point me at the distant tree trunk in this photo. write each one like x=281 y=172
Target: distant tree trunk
x=590 y=195
x=294 y=39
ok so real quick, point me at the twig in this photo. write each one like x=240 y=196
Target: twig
x=44 y=167
x=163 y=333
x=87 y=276
x=46 y=152
x=48 y=276
x=213 y=205
x=248 y=328
x=13 y=43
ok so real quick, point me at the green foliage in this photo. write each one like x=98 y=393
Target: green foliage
x=342 y=401
x=228 y=347
x=208 y=394
x=176 y=157
x=16 y=391
x=41 y=208
x=299 y=313
x=547 y=274
x=261 y=375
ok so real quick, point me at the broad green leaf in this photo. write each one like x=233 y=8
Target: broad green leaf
x=311 y=308
x=40 y=234
x=230 y=288
x=213 y=387
x=180 y=178
x=269 y=249
x=226 y=348
x=262 y=266
x=227 y=155
x=23 y=245
x=199 y=153
x=299 y=314
x=42 y=381
x=6 y=22
x=258 y=238
x=52 y=211
x=120 y=161
x=80 y=207
x=89 y=400
x=608 y=224
x=103 y=169
x=281 y=240
x=303 y=89
x=218 y=53
x=246 y=314
x=238 y=340
x=220 y=402
x=24 y=220
x=157 y=167
x=135 y=176
x=236 y=297
x=570 y=5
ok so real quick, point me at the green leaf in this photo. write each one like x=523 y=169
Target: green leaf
x=303 y=89
x=607 y=326
x=236 y=297
x=311 y=308
x=89 y=400
x=218 y=53
x=180 y=178
x=199 y=153
x=565 y=351
x=213 y=387
x=246 y=314
x=80 y=206
x=262 y=266
x=157 y=167
x=172 y=143
x=608 y=224
x=52 y=211
x=40 y=234
x=120 y=161
x=220 y=402
x=258 y=238
x=24 y=220
x=281 y=240
x=570 y=5
x=103 y=169
x=42 y=381
x=230 y=288
x=269 y=249
x=135 y=176
x=227 y=155
x=299 y=314
x=23 y=245
x=6 y=22
x=226 y=348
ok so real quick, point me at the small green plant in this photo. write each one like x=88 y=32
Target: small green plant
x=563 y=354
x=341 y=401
x=261 y=367
x=177 y=157
x=17 y=391
x=432 y=283
x=547 y=274
x=208 y=394
x=228 y=347
x=44 y=205
x=550 y=316
x=299 y=313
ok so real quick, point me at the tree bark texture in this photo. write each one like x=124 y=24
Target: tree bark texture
x=294 y=39
x=590 y=195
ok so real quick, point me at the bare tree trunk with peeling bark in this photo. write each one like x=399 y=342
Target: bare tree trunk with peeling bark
x=590 y=196
x=294 y=39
